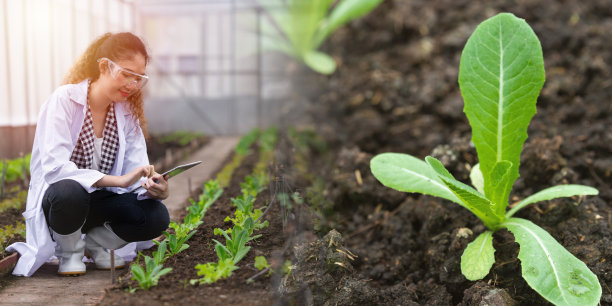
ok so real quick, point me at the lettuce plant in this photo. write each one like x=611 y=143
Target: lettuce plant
x=149 y=276
x=500 y=75
x=214 y=271
x=299 y=27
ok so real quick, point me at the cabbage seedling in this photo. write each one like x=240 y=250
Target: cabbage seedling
x=500 y=75
x=299 y=27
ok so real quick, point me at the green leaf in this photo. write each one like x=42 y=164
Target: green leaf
x=478 y=257
x=550 y=269
x=501 y=74
x=343 y=13
x=553 y=193
x=473 y=200
x=497 y=187
x=319 y=62
x=409 y=174
x=477 y=179
x=261 y=263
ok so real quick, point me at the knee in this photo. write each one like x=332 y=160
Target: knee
x=159 y=219
x=68 y=195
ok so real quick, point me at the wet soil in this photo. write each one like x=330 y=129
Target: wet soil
x=396 y=91
x=174 y=288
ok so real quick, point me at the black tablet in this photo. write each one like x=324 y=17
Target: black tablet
x=174 y=171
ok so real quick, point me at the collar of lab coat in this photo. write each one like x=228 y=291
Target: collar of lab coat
x=78 y=94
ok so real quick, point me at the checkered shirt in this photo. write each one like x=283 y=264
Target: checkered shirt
x=82 y=155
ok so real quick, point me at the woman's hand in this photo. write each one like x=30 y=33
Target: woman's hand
x=134 y=176
x=157 y=186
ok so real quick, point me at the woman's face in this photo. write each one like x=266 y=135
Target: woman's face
x=116 y=79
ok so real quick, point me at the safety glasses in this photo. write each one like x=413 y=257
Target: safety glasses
x=125 y=76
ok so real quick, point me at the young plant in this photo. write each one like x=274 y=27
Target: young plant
x=214 y=271
x=235 y=243
x=299 y=27
x=500 y=75
x=176 y=243
x=149 y=276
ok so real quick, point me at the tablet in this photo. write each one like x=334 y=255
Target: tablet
x=174 y=171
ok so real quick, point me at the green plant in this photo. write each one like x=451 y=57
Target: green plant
x=299 y=27
x=244 y=144
x=149 y=276
x=213 y=271
x=235 y=242
x=9 y=232
x=17 y=168
x=501 y=74
x=181 y=137
x=17 y=202
x=261 y=263
x=253 y=184
x=176 y=243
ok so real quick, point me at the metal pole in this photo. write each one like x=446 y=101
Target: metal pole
x=232 y=52
x=259 y=68
x=203 y=55
x=8 y=57
x=74 y=27
x=52 y=45
x=25 y=76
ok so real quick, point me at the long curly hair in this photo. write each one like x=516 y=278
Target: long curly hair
x=114 y=47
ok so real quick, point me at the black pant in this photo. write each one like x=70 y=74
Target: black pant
x=67 y=206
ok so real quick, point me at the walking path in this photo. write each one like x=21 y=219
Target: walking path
x=46 y=288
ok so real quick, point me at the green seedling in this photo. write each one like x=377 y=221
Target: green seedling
x=253 y=184
x=160 y=255
x=299 y=27
x=149 y=276
x=177 y=244
x=261 y=263
x=214 y=271
x=500 y=75
x=17 y=168
x=235 y=243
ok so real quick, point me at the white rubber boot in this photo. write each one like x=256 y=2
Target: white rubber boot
x=99 y=239
x=70 y=253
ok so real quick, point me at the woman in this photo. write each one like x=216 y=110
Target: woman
x=89 y=152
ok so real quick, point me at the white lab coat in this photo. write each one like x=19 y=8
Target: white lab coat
x=57 y=133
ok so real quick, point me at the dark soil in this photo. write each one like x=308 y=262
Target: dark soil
x=396 y=91
x=174 y=288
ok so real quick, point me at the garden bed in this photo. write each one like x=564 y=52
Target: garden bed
x=175 y=286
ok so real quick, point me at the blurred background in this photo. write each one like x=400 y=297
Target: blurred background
x=206 y=71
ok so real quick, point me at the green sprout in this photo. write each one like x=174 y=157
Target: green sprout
x=299 y=27
x=500 y=75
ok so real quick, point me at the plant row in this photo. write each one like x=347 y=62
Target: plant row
x=174 y=243
x=246 y=219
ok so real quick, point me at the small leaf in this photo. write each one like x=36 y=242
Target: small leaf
x=406 y=173
x=478 y=257
x=473 y=200
x=343 y=13
x=477 y=179
x=261 y=263
x=554 y=192
x=496 y=186
x=550 y=269
x=501 y=73
x=319 y=62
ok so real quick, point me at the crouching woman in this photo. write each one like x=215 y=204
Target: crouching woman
x=89 y=153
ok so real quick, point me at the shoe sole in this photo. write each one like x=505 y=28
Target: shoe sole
x=77 y=273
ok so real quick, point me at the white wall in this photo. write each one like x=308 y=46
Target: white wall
x=39 y=41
